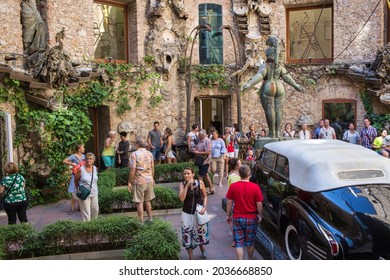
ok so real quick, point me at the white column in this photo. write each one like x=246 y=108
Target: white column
x=10 y=149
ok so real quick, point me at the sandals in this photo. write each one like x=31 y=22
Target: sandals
x=210 y=192
x=71 y=211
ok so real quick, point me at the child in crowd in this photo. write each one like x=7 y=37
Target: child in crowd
x=249 y=156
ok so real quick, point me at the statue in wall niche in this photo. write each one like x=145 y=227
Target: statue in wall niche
x=34 y=35
x=253 y=60
x=272 y=92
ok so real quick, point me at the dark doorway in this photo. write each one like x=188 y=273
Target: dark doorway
x=340 y=111
x=3 y=140
x=3 y=152
x=387 y=22
x=210 y=110
x=100 y=118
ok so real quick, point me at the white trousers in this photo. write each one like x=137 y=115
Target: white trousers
x=89 y=208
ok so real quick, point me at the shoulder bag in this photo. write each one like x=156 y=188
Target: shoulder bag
x=13 y=184
x=200 y=218
x=83 y=192
x=199 y=160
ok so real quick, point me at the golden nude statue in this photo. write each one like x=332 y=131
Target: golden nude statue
x=272 y=92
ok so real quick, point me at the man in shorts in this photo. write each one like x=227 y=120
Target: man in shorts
x=248 y=209
x=141 y=181
x=203 y=151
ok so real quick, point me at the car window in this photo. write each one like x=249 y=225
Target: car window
x=282 y=166
x=269 y=158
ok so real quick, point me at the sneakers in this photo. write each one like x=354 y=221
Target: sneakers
x=204 y=254
x=71 y=211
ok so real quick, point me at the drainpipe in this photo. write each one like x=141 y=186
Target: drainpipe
x=8 y=126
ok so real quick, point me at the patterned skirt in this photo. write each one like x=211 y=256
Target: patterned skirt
x=192 y=234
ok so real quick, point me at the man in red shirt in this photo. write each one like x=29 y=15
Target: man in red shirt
x=248 y=209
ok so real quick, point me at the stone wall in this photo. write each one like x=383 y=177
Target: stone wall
x=11 y=27
x=146 y=37
x=76 y=17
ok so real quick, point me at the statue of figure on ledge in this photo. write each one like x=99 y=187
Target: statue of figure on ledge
x=272 y=92
x=52 y=65
x=34 y=35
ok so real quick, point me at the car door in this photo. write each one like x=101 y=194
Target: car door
x=276 y=187
x=263 y=171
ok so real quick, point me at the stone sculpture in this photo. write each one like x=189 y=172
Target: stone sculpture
x=253 y=60
x=34 y=36
x=272 y=92
x=52 y=65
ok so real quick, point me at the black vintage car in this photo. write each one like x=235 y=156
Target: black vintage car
x=329 y=199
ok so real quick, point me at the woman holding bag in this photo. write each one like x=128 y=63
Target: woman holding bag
x=87 y=177
x=193 y=192
x=14 y=195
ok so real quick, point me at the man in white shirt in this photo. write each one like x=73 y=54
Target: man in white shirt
x=304 y=133
x=327 y=132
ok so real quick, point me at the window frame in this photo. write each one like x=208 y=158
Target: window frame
x=216 y=30
x=279 y=168
x=125 y=30
x=308 y=61
x=387 y=23
x=267 y=155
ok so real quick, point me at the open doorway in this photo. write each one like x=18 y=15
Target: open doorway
x=210 y=111
x=100 y=118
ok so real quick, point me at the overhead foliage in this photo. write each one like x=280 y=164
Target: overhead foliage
x=61 y=130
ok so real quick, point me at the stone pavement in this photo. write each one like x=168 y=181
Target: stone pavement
x=220 y=234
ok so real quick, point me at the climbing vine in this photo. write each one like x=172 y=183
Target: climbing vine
x=208 y=76
x=59 y=131
x=378 y=121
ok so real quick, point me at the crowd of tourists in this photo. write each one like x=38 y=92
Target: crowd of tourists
x=209 y=151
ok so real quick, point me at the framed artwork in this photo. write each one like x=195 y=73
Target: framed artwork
x=328 y=30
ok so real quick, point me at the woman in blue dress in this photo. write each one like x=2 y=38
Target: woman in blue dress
x=75 y=160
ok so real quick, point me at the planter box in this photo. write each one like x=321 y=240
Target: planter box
x=98 y=255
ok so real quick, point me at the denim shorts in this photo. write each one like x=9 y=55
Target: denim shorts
x=203 y=169
x=156 y=154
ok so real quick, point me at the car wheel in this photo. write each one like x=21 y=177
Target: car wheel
x=291 y=241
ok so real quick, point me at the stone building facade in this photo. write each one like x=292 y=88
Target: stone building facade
x=160 y=28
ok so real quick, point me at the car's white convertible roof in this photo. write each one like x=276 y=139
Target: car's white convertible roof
x=318 y=165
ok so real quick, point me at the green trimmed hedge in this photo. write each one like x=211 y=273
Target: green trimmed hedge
x=163 y=173
x=155 y=241
x=113 y=199
x=103 y=233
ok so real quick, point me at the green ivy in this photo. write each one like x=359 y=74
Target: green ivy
x=380 y=121
x=61 y=130
x=208 y=76
x=367 y=102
